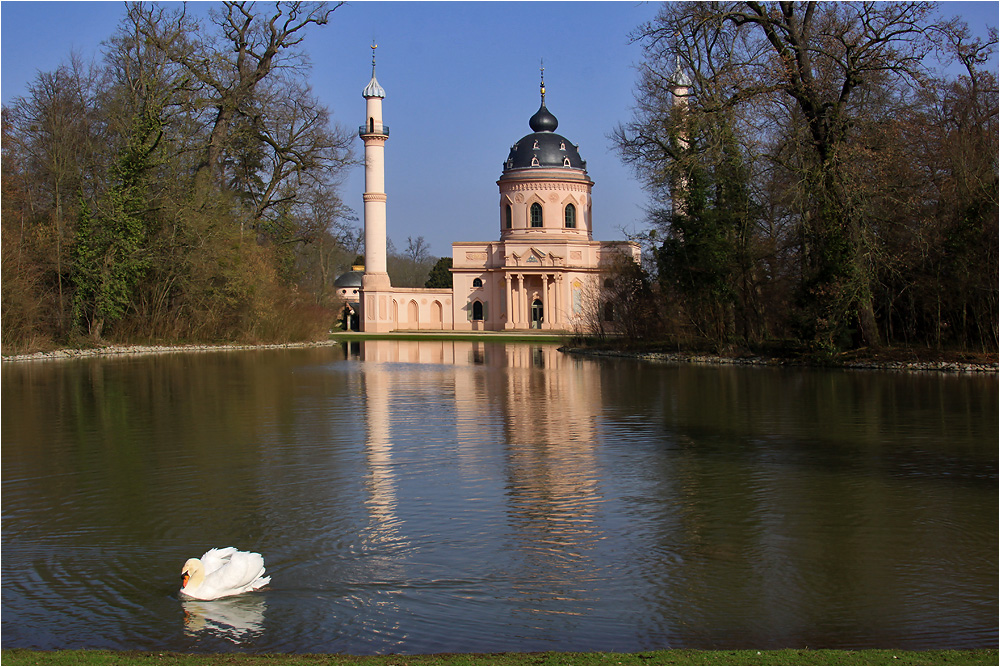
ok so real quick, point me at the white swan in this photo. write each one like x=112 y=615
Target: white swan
x=222 y=572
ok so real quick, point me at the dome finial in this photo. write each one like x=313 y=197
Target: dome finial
x=373 y=89
x=543 y=120
x=541 y=69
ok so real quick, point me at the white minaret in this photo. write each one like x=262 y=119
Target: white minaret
x=374 y=133
x=375 y=286
x=680 y=88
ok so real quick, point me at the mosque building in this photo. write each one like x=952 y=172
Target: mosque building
x=536 y=276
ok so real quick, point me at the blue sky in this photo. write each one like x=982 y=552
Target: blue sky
x=461 y=81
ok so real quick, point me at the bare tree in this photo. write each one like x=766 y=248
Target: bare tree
x=803 y=76
x=232 y=63
x=56 y=131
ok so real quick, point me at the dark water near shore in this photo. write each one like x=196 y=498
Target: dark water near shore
x=454 y=496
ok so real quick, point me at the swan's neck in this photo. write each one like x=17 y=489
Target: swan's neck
x=195 y=573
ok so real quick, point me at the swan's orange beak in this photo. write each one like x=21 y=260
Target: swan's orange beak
x=184 y=579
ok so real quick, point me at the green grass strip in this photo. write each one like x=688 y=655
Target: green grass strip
x=664 y=657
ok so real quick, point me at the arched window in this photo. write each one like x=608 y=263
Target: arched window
x=477 y=282
x=477 y=311
x=371 y=125
x=508 y=215
x=570 y=216
x=536 y=215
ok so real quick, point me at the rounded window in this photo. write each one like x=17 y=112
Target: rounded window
x=570 y=216
x=477 y=282
x=536 y=215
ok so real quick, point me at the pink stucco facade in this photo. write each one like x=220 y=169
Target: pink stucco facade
x=537 y=275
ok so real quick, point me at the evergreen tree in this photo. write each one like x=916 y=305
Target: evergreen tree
x=110 y=256
x=440 y=276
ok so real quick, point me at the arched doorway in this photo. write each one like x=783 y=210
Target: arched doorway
x=537 y=314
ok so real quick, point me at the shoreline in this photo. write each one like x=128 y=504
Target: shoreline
x=141 y=350
x=653 y=357
x=716 y=360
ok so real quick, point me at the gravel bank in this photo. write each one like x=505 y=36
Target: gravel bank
x=659 y=357
x=135 y=350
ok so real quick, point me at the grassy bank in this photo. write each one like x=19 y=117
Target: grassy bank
x=665 y=657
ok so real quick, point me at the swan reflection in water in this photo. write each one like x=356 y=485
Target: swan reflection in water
x=237 y=619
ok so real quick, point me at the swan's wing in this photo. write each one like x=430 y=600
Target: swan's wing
x=242 y=570
x=215 y=559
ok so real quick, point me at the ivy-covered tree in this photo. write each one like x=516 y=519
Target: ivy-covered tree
x=110 y=256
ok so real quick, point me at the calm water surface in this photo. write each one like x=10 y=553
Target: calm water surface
x=448 y=496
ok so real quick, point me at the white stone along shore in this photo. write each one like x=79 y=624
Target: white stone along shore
x=135 y=350
x=659 y=357
x=690 y=358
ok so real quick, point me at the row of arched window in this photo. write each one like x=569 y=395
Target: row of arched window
x=535 y=216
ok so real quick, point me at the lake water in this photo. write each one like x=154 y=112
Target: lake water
x=451 y=496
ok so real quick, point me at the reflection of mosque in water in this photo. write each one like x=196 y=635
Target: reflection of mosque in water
x=544 y=413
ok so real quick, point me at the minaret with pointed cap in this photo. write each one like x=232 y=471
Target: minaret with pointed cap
x=375 y=311
x=680 y=88
x=680 y=84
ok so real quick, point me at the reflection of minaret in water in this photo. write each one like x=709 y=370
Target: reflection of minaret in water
x=382 y=499
x=375 y=285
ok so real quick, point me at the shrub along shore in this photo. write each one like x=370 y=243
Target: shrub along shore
x=659 y=657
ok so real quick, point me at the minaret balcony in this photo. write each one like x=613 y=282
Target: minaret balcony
x=373 y=129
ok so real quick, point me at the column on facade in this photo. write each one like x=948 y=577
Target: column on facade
x=511 y=305
x=514 y=296
x=547 y=302
x=558 y=278
x=517 y=300
x=550 y=294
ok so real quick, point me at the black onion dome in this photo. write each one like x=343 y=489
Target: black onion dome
x=349 y=279
x=543 y=120
x=544 y=148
